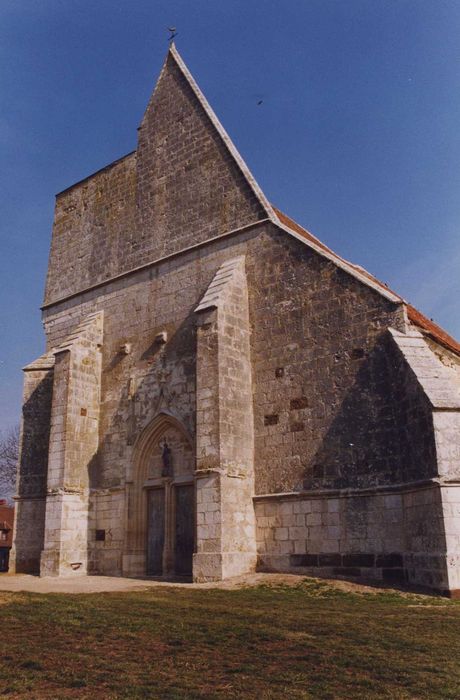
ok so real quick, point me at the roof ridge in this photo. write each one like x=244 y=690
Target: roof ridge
x=292 y=227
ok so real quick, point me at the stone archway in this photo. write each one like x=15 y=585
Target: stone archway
x=161 y=501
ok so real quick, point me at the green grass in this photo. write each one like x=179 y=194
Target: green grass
x=311 y=641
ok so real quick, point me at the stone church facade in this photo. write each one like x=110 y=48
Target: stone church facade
x=221 y=393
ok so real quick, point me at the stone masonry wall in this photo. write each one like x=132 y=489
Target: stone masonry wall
x=307 y=319
x=450 y=496
x=73 y=445
x=107 y=516
x=446 y=357
x=92 y=226
x=189 y=187
x=394 y=537
x=324 y=409
x=181 y=187
x=152 y=377
x=332 y=535
x=36 y=411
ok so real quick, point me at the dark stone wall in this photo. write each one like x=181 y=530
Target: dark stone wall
x=413 y=447
x=36 y=414
x=334 y=407
x=33 y=471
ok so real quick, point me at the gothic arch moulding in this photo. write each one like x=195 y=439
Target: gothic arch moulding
x=148 y=469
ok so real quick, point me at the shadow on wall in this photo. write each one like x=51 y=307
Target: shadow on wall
x=30 y=514
x=382 y=435
x=382 y=432
x=152 y=384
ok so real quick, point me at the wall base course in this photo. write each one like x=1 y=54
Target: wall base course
x=403 y=557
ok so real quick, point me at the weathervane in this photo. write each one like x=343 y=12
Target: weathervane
x=172 y=34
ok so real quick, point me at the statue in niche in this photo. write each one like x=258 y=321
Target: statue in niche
x=166 y=458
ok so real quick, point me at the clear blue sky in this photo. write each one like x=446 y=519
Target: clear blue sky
x=358 y=136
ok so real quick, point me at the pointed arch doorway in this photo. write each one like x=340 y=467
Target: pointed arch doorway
x=161 y=525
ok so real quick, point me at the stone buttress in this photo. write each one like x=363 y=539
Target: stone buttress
x=72 y=447
x=30 y=507
x=224 y=437
x=432 y=523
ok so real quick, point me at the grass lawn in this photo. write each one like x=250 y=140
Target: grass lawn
x=311 y=641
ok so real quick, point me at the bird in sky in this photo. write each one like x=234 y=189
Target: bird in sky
x=259 y=98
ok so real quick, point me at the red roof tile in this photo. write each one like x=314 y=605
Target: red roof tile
x=432 y=329
x=290 y=223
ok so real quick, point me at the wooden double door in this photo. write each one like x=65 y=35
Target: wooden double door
x=171 y=530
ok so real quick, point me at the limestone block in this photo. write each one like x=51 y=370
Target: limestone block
x=286 y=508
x=333 y=505
x=314 y=518
x=297 y=533
x=300 y=546
x=281 y=533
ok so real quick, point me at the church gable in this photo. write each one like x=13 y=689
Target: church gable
x=221 y=390
x=192 y=184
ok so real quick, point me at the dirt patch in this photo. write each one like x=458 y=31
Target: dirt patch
x=14 y=583
x=103 y=584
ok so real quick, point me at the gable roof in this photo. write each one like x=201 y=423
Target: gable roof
x=425 y=325
x=290 y=226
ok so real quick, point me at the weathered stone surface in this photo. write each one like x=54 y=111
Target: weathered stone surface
x=74 y=438
x=179 y=309
x=90 y=231
x=225 y=437
x=398 y=536
x=33 y=466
